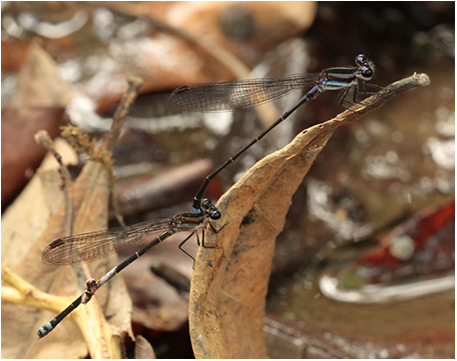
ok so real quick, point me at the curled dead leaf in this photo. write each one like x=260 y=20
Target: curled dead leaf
x=229 y=284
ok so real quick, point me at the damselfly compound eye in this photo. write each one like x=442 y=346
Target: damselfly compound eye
x=361 y=59
x=367 y=73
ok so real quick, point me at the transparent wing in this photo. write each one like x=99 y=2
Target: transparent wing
x=88 y=247
x=239 y=94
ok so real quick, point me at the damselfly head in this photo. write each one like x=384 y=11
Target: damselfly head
x=208 y=208
x=365 y=67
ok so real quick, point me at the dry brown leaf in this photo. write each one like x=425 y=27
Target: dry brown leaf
x=220 y=39
x=90 y=196
x=90 y=201
x=39 y=82
x=229 y=284
x=26 y=218
x=143 y=349
x=19 y=151
x=38 y=103
x=237 y=272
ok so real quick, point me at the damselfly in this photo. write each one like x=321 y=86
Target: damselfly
x=239 y=94
x=88 y=247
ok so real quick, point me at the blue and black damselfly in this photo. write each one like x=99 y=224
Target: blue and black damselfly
x=241 y=94
x=88 y=247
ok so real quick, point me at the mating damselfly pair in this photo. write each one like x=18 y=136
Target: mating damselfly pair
x=221 y=96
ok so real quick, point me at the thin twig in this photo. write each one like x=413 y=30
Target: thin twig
x=112 y=137
x=24 y=293
x=43 y=138
x=381 y=97
x=88 y=319
x=134 y=84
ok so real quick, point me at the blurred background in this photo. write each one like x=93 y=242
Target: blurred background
x=365 y=265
